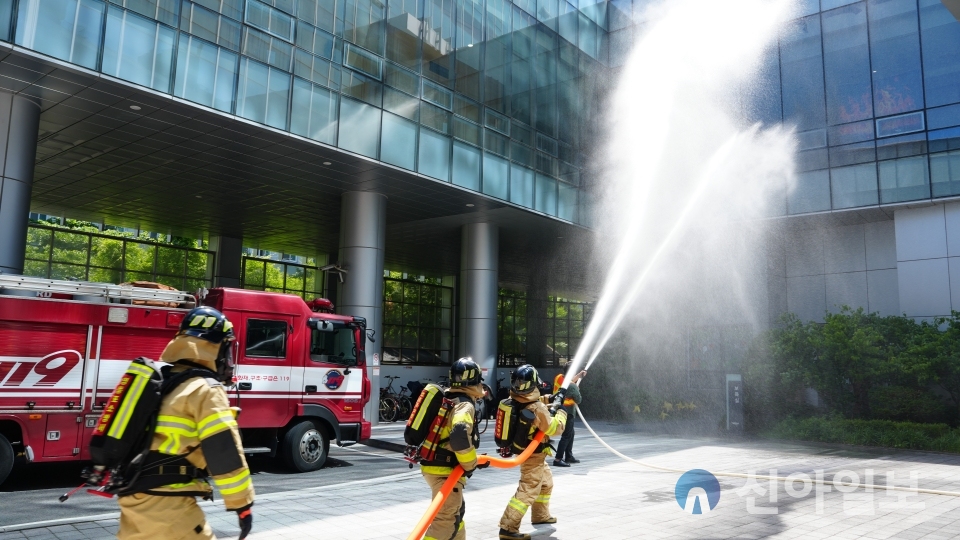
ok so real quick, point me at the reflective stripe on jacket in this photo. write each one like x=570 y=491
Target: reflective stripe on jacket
x=196 y=421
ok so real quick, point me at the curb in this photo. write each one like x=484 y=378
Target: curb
x=384 y=445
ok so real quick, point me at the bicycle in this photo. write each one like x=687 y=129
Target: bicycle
x=402 y=399
x=388 y=407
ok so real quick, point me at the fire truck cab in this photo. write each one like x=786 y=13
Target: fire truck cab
x=300 y=381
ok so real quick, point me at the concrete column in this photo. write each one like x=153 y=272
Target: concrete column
x=479 y=260
x=363 y=220
x=226 y=265
x=19 y=123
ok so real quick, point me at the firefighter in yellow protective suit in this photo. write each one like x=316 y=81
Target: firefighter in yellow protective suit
x=461 y=448
x=536 y=480
x=196 y=437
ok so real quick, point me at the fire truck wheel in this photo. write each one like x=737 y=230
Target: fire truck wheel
x=6 y=458
x=305 y=447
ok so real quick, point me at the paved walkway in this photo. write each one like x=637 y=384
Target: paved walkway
x=607 y=498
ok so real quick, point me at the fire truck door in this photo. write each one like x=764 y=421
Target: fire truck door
x=41 y=368
x=331 y=375
x=263 y=374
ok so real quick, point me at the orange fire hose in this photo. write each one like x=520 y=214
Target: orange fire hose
x=502 y=463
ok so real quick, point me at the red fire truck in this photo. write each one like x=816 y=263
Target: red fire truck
x=300 y=382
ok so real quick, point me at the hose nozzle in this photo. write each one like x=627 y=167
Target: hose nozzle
x=557 y=400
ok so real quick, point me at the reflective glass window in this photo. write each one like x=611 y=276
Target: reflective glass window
x=945 y=173
x=895 y=56
x=567 y=204
x=846 y=61
x=401 y=79
x=807 y=7
x=854 y=186
x=164 y=11
x=620 y=14
x=398 y=145
x=263 y=94
x=403 y=32
x=810 y=193
x=853 y=153
x=546 y=82
x=466 y=108
x=522 y=133
x=401 y=104
x=568 y=22
x=902 y=146
x=6 y=19
x=314 y=40
x=466 y=166
x=466 y=131
x=469 y=47
x=546 y=200
x=764 y=103
x=267 y=49
x=363 y=61
x=138 y=49
x=944 y=139
x=943 y=117
x=496 y=143
x=65 y=29
x=522 y=68
x=437 y=95
x=286 y=6
x=319 y=13
x=496 y=72
x=210 y=26
x=850 y=133
x=521 y=153
x=548 y=11
x=588 y=36
x=361 y=87
x=438 y=33
x=269 y=19
x=522 y=181
x=497 y=122
x=316 y=112
x=206 y=74
x=434 y=155
x=940 y=35
x=802 y=71
x=363 y=24
x=904 y=179
x=316 y=69
x=230 y=8
x=496 y=176
x=359 y=128
x=435 y=117
x=830 y=4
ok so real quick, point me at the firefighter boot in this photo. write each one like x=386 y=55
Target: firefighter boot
x=507 y=535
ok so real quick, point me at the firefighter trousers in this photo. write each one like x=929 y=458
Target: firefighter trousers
x=151 y=517
x=448 y=525
x=536 y=485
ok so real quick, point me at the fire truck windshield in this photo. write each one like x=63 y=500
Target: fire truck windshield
x=336 y=346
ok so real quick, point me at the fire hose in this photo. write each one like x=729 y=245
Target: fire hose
x=888 y=487
x=447 y=488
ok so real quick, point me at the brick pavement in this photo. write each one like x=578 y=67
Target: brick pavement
x=606 y=498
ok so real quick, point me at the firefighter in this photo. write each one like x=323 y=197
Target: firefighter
x=196 y=437
x=461 y=448
x=571 y=399
x=536 y=480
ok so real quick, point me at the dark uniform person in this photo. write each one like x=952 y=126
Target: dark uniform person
x=571 y=399
x=196 y=423
x=462 y=438
x=536 y=480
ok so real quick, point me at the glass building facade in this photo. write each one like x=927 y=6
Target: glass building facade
x=490 y=95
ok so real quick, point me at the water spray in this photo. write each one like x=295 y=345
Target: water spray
x=783 y=479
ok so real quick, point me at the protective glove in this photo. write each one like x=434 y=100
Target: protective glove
x=469 y=473
x=245 y=517
x=483 y=465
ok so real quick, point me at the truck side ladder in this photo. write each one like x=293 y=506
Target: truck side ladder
x=10 y=283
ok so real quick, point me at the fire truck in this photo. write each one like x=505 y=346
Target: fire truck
x=300 y=381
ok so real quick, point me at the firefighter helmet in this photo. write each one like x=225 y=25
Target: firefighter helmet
x=464 y=372
x=524 y=379
x=207 y=324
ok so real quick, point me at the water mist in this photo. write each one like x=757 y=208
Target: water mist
x=685 y=175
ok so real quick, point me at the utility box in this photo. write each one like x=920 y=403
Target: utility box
x=734 y=403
